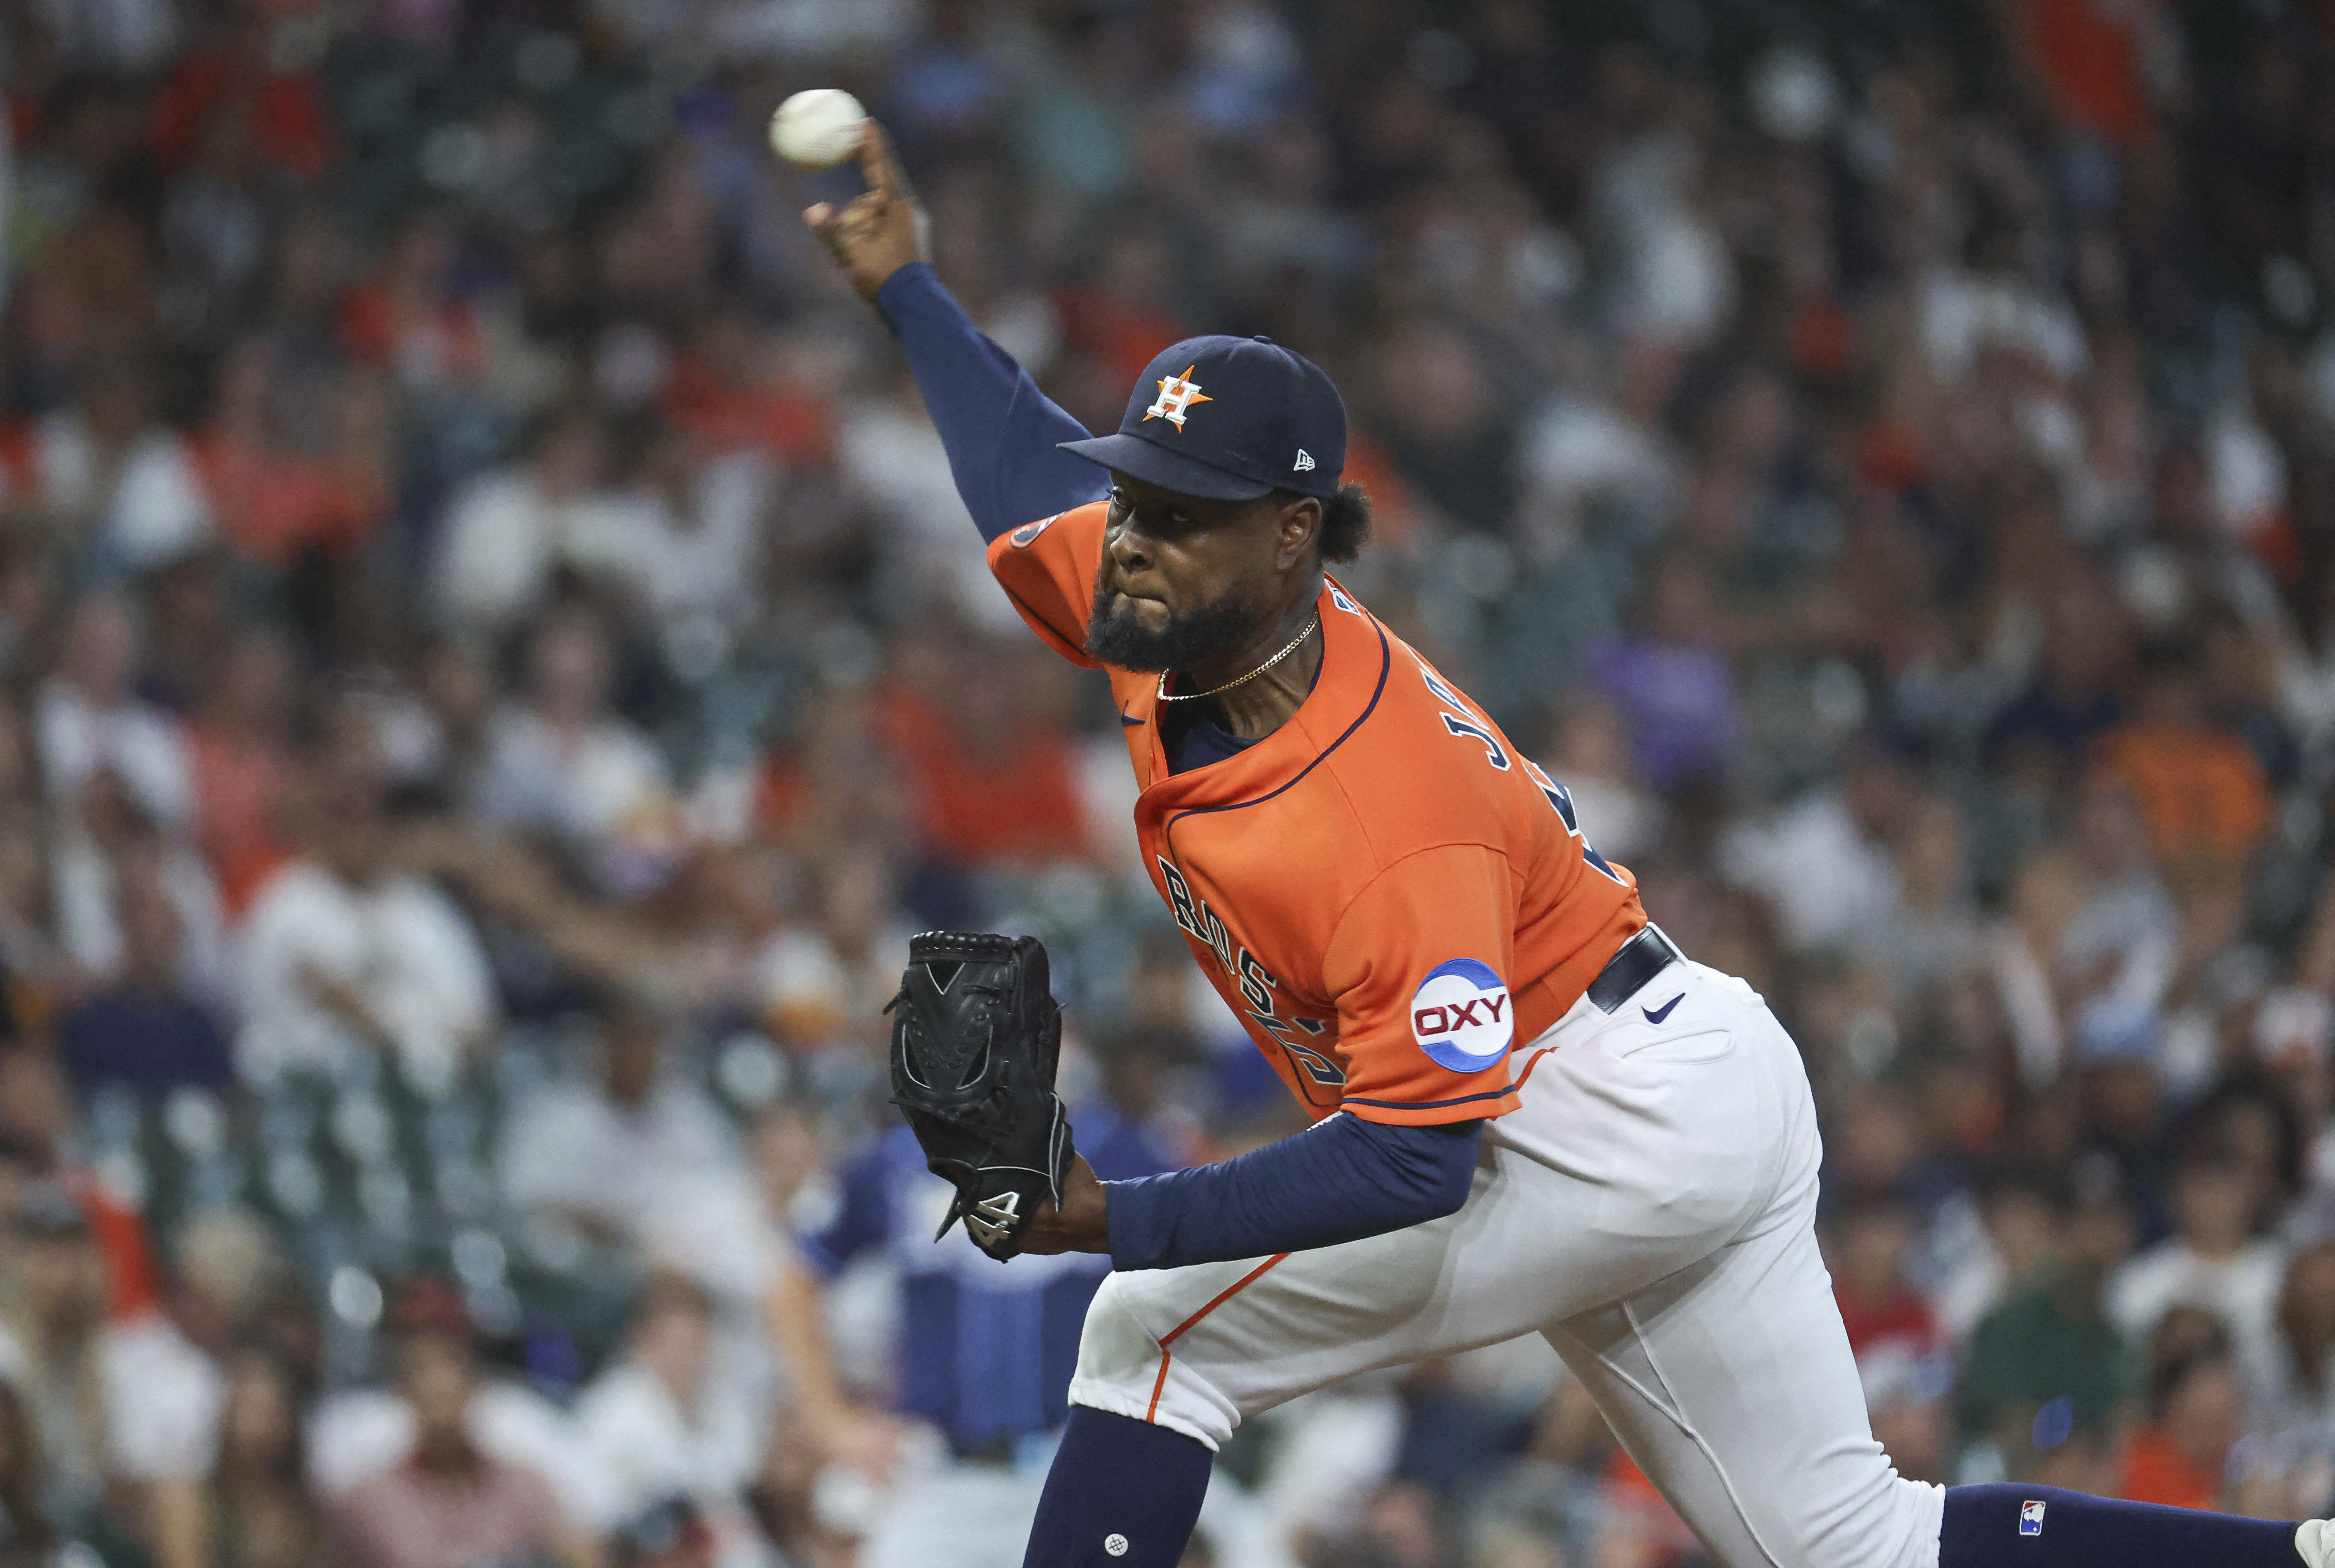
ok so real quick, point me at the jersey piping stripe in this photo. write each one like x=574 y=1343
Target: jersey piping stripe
x=1160 y=1383
x=1534 y=1062
x=1432 y=1104
x=1386 y=662
x=1023 y=605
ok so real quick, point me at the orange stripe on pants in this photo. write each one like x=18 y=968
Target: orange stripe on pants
x=1160 y=1383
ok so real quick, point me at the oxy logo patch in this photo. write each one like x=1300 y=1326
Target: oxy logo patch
x=1027 y=533
x=1461 y=1015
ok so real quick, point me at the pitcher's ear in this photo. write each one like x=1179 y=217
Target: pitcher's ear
x=1299 y=523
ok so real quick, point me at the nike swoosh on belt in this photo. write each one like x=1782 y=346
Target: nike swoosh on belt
x=1652 y=1016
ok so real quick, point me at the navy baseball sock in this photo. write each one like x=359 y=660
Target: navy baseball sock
x=2046 y=1527
x=1122 y=1493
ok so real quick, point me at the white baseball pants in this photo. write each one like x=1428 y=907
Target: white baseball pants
x=1650 y=1210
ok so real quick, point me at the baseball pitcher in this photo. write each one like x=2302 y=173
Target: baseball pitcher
x=1533 y=1113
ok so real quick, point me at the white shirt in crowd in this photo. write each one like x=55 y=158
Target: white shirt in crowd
x=1824 y=878
x=503 y=535
x=666 y=1174
x=360 y=1433
x=2241 y=1291
x=159 y=1396
x=585 y=789
x=647 y=1449
x=399 y=943
x=140 y=744
x=706 y=565
x=85 y=885
x=151 y=508
x=895 y=458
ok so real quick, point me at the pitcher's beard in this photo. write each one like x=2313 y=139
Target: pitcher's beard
x=1114 y=637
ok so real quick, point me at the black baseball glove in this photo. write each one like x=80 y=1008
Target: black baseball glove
x=974 y=1038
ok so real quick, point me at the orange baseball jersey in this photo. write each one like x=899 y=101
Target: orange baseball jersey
x=1387 y=893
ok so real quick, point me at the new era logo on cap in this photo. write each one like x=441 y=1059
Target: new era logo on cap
x=1305 y=462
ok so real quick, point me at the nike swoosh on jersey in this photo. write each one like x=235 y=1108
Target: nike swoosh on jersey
x=1656 y=1016
x=1129 y=722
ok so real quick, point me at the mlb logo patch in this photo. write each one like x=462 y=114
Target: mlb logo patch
x=2031 y=1518
x=1460 y=1015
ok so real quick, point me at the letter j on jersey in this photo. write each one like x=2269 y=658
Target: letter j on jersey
x=1461 y=1015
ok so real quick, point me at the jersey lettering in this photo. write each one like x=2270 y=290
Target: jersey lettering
x=1493 y=751
x=1240 y=966
x=1180 y=898
x=1254 y=983
x=1561 y=798
x=1444 y=690
x=1310 y=1062
x=1558 y=796
x=1195 y=916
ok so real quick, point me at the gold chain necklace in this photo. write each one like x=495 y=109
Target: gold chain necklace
x=1167 y=696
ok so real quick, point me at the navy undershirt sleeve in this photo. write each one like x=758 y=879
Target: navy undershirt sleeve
x=998 y=430
x=1338 y=1181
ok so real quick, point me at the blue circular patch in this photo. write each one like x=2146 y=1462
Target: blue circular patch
x=1462 y=1015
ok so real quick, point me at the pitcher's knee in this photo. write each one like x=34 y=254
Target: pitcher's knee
x=1124 y=1370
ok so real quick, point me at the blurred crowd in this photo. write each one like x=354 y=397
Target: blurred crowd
x=492 y=665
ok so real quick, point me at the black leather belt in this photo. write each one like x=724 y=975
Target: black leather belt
x=1642 y=958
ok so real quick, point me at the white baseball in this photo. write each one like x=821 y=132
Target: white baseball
x=817 y=128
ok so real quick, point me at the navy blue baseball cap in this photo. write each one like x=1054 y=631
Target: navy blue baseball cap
x=1228 y=419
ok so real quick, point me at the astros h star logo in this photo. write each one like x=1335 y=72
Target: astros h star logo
x=1177 y=393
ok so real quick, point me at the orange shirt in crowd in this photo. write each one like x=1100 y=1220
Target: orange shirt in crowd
x=1019 y=802
x=2155 y=1471
x=724 y=418
x=782 y=794
x=1643 y=1514
x=272 y=506
x=439 y=344
x=1904 y=1317
x=2093 y=63
x=2201 y=790
x=238 y=787
x=19 y=469
x=1122 y=337
x=283 y=113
